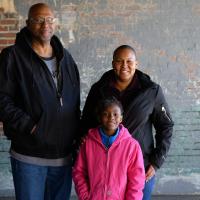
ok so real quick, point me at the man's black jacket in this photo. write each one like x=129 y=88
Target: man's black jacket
x=29 y=96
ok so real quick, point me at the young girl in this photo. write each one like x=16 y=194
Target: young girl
x=110 y=163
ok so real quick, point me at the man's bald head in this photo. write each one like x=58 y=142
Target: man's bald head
x=34 y=8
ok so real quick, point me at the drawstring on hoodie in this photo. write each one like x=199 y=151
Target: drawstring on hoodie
x=59 y=84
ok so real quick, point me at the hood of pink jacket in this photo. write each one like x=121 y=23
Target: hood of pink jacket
x=93 y=134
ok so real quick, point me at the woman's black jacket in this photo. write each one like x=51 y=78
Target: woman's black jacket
x=144 y=108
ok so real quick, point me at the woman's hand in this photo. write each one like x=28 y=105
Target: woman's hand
x=150 y=173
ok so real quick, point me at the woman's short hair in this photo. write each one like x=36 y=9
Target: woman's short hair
x=123 y=47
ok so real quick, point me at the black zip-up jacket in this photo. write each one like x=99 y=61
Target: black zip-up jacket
x=29 y=96
x=144 y=107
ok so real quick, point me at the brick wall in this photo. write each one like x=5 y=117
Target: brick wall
x=8 y=28
x=167 y=40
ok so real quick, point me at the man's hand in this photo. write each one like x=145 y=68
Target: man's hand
x=150 y=173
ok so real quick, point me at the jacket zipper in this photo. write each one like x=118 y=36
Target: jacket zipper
x=60 y=98
x=61 y=101
x=105 y=186
x=165 y=113
x=59 y=85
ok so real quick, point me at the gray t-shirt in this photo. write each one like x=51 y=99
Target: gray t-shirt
x=52 y=66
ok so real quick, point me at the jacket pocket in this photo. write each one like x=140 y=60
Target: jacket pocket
x=165 y=114
x=39 y=130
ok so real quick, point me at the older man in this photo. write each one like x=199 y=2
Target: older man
x=39 y=107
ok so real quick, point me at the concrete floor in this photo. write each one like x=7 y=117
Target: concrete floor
x=157 y=197
x=175 y=197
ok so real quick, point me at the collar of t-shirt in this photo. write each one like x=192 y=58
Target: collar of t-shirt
x=108 y=140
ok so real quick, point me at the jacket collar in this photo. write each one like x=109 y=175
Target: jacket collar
x=144 y=80
x=123 y=134
x=23 y=41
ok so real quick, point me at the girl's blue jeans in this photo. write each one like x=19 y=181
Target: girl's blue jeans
x=148 y=188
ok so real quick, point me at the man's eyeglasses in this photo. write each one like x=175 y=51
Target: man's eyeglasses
x=42 y=20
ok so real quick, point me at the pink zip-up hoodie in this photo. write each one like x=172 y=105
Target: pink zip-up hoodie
x=116 y=173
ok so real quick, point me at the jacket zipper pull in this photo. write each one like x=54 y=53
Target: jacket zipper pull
x=165 y=113
x=61 y=101
x=60 y=98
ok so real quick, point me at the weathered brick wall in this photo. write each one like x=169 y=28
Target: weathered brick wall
x=6 y=184
x=166 y=37
x=8 y=28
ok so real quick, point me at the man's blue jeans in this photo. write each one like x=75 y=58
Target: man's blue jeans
x=148 y=188
x=34 y=182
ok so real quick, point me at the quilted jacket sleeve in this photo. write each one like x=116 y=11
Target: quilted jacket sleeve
x=10 y=114
x=163 y=124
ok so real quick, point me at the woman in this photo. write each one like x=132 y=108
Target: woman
x=144 y=107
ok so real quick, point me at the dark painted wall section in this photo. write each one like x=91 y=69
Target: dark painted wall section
x=165 y=34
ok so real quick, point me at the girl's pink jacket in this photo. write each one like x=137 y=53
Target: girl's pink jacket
x=116 y=173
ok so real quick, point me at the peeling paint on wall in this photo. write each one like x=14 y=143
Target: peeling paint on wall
x=7 y=6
